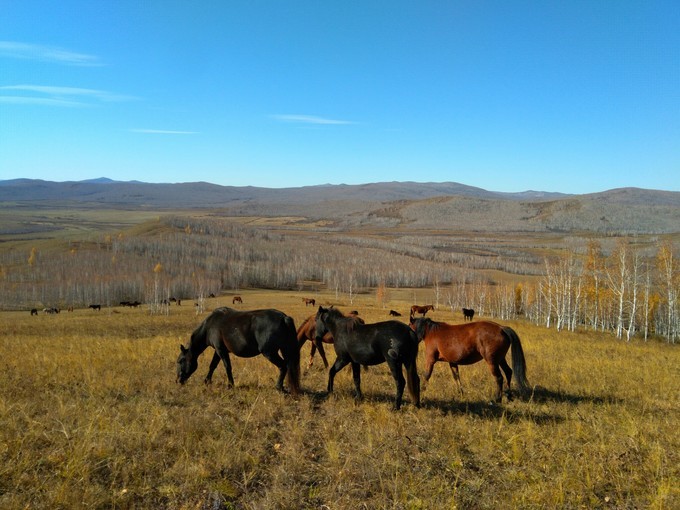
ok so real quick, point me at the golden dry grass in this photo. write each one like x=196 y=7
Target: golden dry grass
x=91 y=416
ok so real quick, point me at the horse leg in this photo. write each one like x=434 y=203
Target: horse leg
x=508 y=376
x=311 y=355
x=395 y=368
x=213 y=365
x=226 y=360
x=496 y=373
x=429 y=366
x=322 y=353
x=339 y=364
x=456 y=376
x=277 y=360
x=356 y=375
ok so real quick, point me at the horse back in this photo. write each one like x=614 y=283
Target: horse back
x=249 y=333
x=369 y=344
x=468 y=343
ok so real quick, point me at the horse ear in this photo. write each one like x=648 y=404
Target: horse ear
x=182 y=348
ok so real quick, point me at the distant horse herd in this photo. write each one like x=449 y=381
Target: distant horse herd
x=272 y=334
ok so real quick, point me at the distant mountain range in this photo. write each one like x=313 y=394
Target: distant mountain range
x=386 y=204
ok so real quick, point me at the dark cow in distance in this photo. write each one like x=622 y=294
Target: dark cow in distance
x=468 y=314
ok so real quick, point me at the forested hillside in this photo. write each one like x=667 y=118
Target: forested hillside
x=625 y=285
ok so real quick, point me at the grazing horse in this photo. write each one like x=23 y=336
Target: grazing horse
x=394 y=313
x=309 y=301
x=466 y=344
x=95 y=307
x=307 y=331
x=468 y=314
x=237 y=299
x=421 y=309
x=244 y=334
x=34 y=311
x=371 y=344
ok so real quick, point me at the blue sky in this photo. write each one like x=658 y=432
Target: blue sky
x=575 y=96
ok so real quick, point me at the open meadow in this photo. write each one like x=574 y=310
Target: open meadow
x=91 y=416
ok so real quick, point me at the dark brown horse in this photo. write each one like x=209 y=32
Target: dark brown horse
x=394 y=313
x=466 y=344
x=309 y=301
x=307 y=331
x=421 y=309
x=237 y=299
x=359 y=344
x=468 y=314
x=244 y=334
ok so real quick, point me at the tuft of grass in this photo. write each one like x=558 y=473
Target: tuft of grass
x=91 y=416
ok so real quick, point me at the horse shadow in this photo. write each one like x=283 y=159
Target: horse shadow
x=487 y=410
x=538 y=394
x=543 y=395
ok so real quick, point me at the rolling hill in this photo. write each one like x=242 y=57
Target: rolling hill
x=414 y=205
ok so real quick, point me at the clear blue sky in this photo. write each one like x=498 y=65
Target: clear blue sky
x=572 y=96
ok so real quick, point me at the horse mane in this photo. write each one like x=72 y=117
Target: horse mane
x=353 y=322
x=424 y=325
x=433 y=325
x=349 y=322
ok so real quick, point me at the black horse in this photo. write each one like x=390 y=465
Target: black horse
x=468 y=314
x=371 y=344
x=244 y=334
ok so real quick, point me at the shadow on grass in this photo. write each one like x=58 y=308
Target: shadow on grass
x=490 y=411
x=540 y=394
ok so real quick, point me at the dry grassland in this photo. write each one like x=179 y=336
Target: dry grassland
x=90 y=416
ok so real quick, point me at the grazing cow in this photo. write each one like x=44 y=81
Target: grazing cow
x=468 y=314
x=394 y=313
x=237 y=299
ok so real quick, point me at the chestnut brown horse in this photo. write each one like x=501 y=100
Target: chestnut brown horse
x=237 y=299
x=309 y=301
x=466 y=344
x=421 y=309
x=307 y=331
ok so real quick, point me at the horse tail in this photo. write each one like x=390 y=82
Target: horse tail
x=519 y=365
x=291 y=353
x=407 y=353
x=412 y=379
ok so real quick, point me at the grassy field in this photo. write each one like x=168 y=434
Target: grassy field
x=91 y=416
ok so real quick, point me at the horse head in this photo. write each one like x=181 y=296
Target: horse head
x=321 y=327
x=186 y=364
x=421 y=326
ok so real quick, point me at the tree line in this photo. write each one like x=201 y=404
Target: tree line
x=621 y=286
